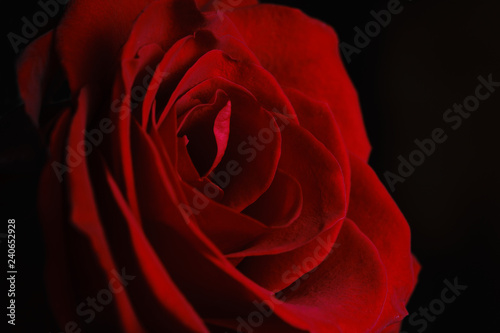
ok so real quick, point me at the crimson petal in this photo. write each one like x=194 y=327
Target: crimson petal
x=346 y=292
x=323 y=192
x=268 y=30
x=375 y=213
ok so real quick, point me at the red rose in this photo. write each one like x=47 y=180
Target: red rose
x=208 y=172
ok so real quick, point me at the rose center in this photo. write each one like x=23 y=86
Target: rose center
x=206 y=127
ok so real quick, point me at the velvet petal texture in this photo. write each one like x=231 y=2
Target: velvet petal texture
x=214 y=151
x=376 y=214
x=85 y=28
x=319 y=72
x=334 y=297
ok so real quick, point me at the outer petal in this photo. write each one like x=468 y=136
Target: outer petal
x=85 y=218
x=347 y=291
x=378 y=217
x=53 y=214
x=34 y=71
x=168 y=309
x=162 y=23
x=302 y=53
x=90 y=36
x=276 y=272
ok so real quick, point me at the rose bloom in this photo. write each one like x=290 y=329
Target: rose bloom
x=207 y=172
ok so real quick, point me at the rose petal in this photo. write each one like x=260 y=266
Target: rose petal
x=223 y=5
x=90 y=36
x=228 y=229
x=52 y=207
x=218 y=64
x=311 y=63
x=172 y=20
x=394 y=328
x=84 y=215
x=176 y=61
x=207 y=129
x=276 y=272
x=169 y=234
x=245 y=160
x=247 y=169
x=323 y=191
x=318 y=119
x=153 y=285
x=280 y=205
x=346 y=292
x=35 y=68
x=181 y=57
x=185 y=166
x=224 y=226
x=375 y=213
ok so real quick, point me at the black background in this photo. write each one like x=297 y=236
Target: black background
x=424 y=61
